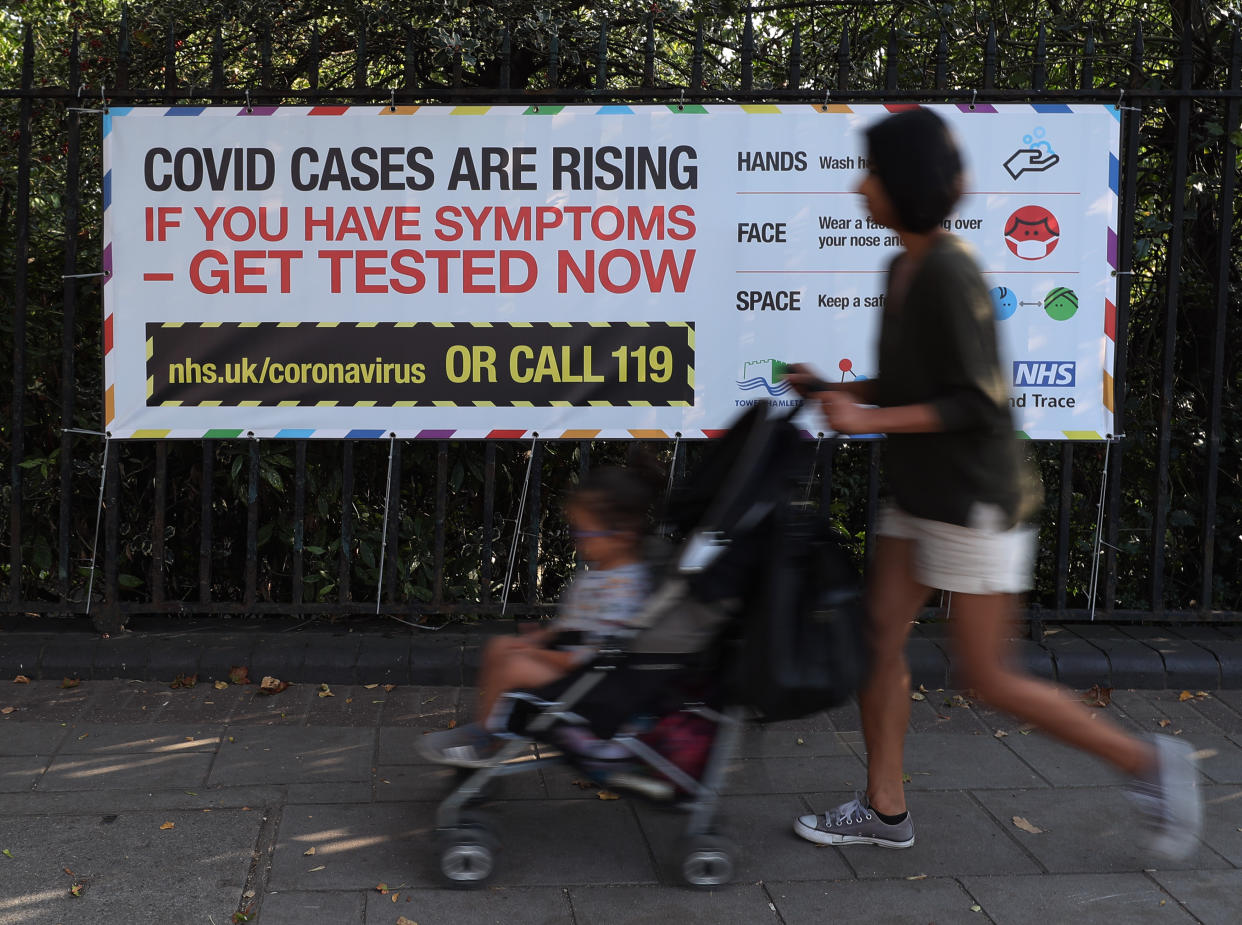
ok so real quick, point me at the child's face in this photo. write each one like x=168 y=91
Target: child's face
x=597 y=543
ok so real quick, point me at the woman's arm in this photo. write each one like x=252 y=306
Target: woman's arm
x=846 y=416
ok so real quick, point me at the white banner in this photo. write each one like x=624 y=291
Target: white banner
x=570 y=271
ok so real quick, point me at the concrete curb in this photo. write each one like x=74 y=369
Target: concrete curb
x=1078 y=656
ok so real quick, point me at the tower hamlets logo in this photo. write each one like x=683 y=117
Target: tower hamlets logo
x=765 y=374
x=1032 y=232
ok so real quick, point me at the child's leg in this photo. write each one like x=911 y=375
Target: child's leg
x=980 y=625
x=513 y=668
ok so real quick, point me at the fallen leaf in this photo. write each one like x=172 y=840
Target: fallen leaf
x=999 y=734
x=239 y=674
x=7 y=853
x=390 y=688
x=7 y=710
x=370 y=687
x=607 y=795
x=1184 y=696
x=70 y=682
x=402 y=920
x=917 y=877
x=906 y=778
x=800 y=741
x=77 y=889
x=1163 y=722
x=21 y=679
x=320 y=867
x=270 y=685
x=915 y=695
x=382 y=888
x=184 y=681
x=582 y=784
x=394 y=896
x=349 y=699
x=220 y=685
x=452 y=724
x=167 y=825
x=1097 y=696
x=309 y=852
x=1026 y=826
x=976 y=908
x=325 y=691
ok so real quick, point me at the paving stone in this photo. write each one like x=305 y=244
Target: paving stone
x=1150 y=708
x=19 y=774
x=789 y=741
x=348 y=705
x=203 y=703
x=30 y=738
x=939 y=762
x=953 y=837
x=794 y=775
x=288 y=708
x=126 y=738
x=597 y=841
x=416 y=783
x=1084 y=899
x=125 y=771
x=425 y=707
x=134 y=871
x=929 y=665
x=1222 y=822
x=736 y=904
x=496 y=906
x=356 y=847
x=1213 y=897
x=287 y=755
x=331 y=792
x=901 y=902
x=48 y=703
x=125 y=702
x=1059 y=764
x=304 y=908
x=1084 y=830
x=178 y=796
x=761 y=830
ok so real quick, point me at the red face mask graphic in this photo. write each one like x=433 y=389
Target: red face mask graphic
x=1032 y=232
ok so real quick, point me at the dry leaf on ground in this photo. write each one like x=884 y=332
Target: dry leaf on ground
x=370 y=687
x=1097 y=696
x=21 y=679
x=999 y=734
x=70 y=682
x=184 y=680
x=607 y=795
x=390 y=687
x=309 y=851
x=915 y=695
x=270 y=685
x=239 y=674
x=402 y=920
x=5 y=711
x=320 y=867
x=167 y=825
x=325 y=691
x=221 y=685
x=1026 y=826
x=77 y=889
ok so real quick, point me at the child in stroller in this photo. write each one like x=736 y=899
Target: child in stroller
x=714 y=640
x=608 y=516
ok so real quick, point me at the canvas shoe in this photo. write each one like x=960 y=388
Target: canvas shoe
x=468 y=746
x=1168 y=798
x=855 y=823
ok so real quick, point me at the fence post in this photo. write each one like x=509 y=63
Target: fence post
x=68 y=338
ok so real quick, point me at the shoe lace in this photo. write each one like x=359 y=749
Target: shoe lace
x=850 y=813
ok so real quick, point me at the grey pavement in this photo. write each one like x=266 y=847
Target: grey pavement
x=188 y=806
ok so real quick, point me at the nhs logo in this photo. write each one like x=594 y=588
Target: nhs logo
x=1047 y=373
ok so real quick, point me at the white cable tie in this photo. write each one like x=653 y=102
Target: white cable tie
x=392 y=100
x=974 y=95
x=85 y=275
x=249 y=108
x=379 y=590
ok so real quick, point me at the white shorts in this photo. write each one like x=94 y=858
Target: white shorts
x=984 y=558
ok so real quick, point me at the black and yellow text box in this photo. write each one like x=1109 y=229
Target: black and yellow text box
x=534 y=364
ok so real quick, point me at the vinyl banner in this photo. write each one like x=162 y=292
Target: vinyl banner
x=567 y=271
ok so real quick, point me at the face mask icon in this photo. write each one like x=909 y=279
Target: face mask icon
x=1032 y=233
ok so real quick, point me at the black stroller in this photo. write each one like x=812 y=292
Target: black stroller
x=755 y=614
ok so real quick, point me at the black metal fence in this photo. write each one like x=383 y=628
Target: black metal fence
x=1144 y=528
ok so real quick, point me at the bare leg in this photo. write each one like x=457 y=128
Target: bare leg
x=511 y=668
x=981 y=627
x=894 y=597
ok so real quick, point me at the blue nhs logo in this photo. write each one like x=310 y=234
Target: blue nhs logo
x=1047 y=373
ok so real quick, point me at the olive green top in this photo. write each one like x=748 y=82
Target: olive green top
x=938 y=346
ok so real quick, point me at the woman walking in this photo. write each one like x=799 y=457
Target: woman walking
x=960 y=500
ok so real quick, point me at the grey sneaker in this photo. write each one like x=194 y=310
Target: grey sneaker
x=855 y=823
x=1169 y=799
x=468 y=746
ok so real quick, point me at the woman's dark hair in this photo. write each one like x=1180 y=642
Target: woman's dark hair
x=915 y=157
x=621 y=497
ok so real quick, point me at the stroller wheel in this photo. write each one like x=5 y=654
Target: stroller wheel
x=468 y=854
x=705 y=861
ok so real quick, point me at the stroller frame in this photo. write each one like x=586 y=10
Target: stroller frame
x=468 y=844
